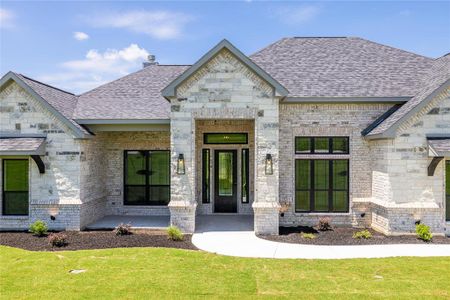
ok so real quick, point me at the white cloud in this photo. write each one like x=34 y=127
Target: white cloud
x=297 y=15
x=80 y=36
x=97 y=68
x=7 y=18
x=160 y=24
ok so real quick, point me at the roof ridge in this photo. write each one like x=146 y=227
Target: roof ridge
x=395 y=48
x=320 y=37
x=45 y=84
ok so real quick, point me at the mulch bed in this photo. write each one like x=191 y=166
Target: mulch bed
x=79 y=240
x=344 y=236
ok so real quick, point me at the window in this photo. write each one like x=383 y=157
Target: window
x=321 y=145
x=321 y=185
x=225 y=138
x=147 y=178
x=245 y=176
x=206 y=176
x=15 y=187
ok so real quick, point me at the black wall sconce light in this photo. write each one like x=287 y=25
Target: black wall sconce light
x=269 y=164
x=181 y=170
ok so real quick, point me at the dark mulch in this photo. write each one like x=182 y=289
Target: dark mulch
x=344 y=236
x=95 y=240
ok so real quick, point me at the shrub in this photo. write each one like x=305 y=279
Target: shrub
x=308 y=236
x=123 y=229
x=39 y=228
x=423 y=232
x=57 y=239
x=363 y=234
x=324 y=224
x=174 y=233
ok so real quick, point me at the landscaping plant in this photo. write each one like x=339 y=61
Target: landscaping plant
x=123 y=229
x=363 y=234
x=175 y=233
x=308 y=236
x=423 y=232
x=324 y=224
x=39 y=228
x=57 y=239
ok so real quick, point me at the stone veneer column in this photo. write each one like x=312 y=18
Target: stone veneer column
x=266 y=204
x=182 y=188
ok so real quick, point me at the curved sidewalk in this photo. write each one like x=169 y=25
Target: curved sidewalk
x=244 y=243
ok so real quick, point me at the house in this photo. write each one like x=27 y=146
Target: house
x=340 y=127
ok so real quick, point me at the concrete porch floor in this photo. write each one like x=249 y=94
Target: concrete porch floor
x=229 y=223
x=137 y=222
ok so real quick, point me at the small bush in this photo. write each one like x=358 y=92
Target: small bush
x=174 y=233
x=363 y=234
x=57 y=239
x=123 y=229
x=324 y=224
x=308 y=236
x=423 y=232
x=39 y=228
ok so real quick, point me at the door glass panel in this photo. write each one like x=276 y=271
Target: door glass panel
x=15 y=187
x=206 y=176
x=136 y=169
x=447 y=188
x=244 y=176
x=225 y=173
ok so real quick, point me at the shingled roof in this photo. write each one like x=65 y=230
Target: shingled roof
x=59 y=102
x=435 y=81
x=135 y=96
x=342 y=67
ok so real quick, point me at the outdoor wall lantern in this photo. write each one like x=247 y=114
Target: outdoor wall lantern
x=180 y=165
x=269 y=164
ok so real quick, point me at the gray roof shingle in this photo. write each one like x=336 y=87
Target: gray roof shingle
x=438 y=75
x=342 y=67
x=64 y=102
x=20 y=144
x=135 y=96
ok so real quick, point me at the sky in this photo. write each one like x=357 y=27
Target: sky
x=80 y=45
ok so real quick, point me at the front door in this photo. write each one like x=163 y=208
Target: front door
x=225 y=181
x=447 y=190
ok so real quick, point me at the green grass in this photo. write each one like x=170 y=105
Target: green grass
x=141 y=273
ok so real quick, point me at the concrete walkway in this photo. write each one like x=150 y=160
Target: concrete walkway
x=242 y=242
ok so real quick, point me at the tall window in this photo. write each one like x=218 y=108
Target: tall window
x=147 y=177
x=15 y=187
x=321 y=185
x=245 y=176
x=206 y=159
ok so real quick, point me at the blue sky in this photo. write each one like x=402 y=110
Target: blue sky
x=80 y=45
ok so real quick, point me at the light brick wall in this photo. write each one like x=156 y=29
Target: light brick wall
x=114 y=145
x=402 y=190
x=328 y=120
x=57 y=192
x=223 y=89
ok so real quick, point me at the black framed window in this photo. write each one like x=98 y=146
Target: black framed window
x=147 y=177
x=245 y=191
x=225 y=138
x=321 y=185
x=321 y=145
x=15 y=187
x=206 y=176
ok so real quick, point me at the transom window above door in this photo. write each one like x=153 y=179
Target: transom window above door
x=225 y=138
x=147 y=177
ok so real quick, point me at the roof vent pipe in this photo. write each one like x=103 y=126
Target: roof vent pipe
x=150 y=61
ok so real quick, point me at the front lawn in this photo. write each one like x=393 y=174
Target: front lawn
x=140 y=273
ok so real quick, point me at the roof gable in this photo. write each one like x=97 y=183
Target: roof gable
x=434 y=83
x=170 y=90
x=60 y=103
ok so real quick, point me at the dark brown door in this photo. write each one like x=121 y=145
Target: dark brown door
x=225 y=181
